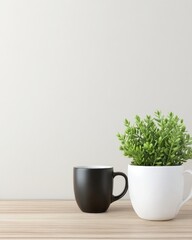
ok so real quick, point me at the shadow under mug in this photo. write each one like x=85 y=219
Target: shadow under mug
x=93 y=187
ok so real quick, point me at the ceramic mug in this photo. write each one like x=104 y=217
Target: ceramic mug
x=93 y=187
x=156 y=193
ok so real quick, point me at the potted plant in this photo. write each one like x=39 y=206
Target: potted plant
x=158 y=146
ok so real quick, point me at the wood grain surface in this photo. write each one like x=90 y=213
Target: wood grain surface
x=63 y=220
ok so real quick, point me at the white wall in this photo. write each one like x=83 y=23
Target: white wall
x=71 y=71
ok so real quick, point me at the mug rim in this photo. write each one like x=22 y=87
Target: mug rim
x=94 y=167
x=160 y=167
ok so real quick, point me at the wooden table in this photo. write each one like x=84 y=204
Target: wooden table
x=63 y=220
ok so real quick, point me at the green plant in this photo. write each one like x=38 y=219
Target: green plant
x=156 y=141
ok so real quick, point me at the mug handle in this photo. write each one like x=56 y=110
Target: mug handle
x=115 y=198
x=190 y=194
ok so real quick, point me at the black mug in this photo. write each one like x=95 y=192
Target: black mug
x=93 y=187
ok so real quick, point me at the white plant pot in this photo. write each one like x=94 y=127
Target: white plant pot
x=156 y=193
